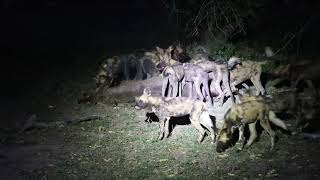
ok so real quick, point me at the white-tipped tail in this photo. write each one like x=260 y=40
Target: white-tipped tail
x=275 y=120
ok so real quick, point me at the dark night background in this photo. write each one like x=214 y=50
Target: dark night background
x=46 y=44
x=37 y=37
x=41 y=36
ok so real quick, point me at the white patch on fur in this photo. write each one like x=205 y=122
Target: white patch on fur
x=233 y=61
x=205 y=119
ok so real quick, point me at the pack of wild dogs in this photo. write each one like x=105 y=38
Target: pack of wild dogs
x=210 y=83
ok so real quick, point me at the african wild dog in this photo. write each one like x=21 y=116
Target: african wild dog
x=250 y=110
x=148 y=64
x=124 y=67
x=180 y=55
x=172 y=80
x=217 y=73
x=165 y=56
x=241 y=71
x=165 y=108
x=180 y=74
x=196 y=77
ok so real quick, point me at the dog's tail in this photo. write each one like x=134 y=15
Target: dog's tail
x=275 y=120
x=262 y=62
x=206 y=121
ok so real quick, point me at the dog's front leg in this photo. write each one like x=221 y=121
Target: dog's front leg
x=161 y=127
x=190 y=84
x=167 y=124
x=266 y=126
x=175 y=86
x=241 y=136
x=165 y=82
x=195 y=121
x=197 y=86
x=253 y=134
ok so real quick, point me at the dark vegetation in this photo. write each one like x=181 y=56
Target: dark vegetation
x=50 y=50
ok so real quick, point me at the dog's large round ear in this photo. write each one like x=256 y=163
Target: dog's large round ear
x=147 y=91
x=179 y=49
x=170 y=48
x=160 y=50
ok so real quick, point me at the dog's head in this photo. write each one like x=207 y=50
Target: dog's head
x=223 y=140
x=178 y=54
x=102 y=77
x=243 y=98
x=142 y=102
x=107 y=70
x=225 y=135
x=164 y=57
x=110 y=64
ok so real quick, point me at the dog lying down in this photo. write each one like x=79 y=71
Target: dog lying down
x=166 y=107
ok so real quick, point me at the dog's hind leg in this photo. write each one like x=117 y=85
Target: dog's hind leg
x=167 y=129
x=266 y=125
x=206 y=121
x=195 y=121
x=161 y=126
x=257 y=83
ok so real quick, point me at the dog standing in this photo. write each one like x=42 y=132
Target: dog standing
x=165 y=57
x=148 y=64
x=180 y=74
x=241 y=71
x=217 y=73
x=165 y=108
x=250 y=110
x=172 y=80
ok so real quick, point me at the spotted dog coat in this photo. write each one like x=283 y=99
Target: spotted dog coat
x=164 y=108
x=250 y=110
x=172 y=78
x=217 y=73
x=245 y=70
x=165 y=58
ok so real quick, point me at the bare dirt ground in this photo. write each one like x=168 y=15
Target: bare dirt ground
x=120 y=145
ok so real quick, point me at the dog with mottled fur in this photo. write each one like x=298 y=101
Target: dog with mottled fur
x=165 y=108
x=217 y=73
x=172 y=80
x=165 y=58
x=177 y=76
x=124 y=67
x=250 y=110
x=148 y=64
x=241 y=71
